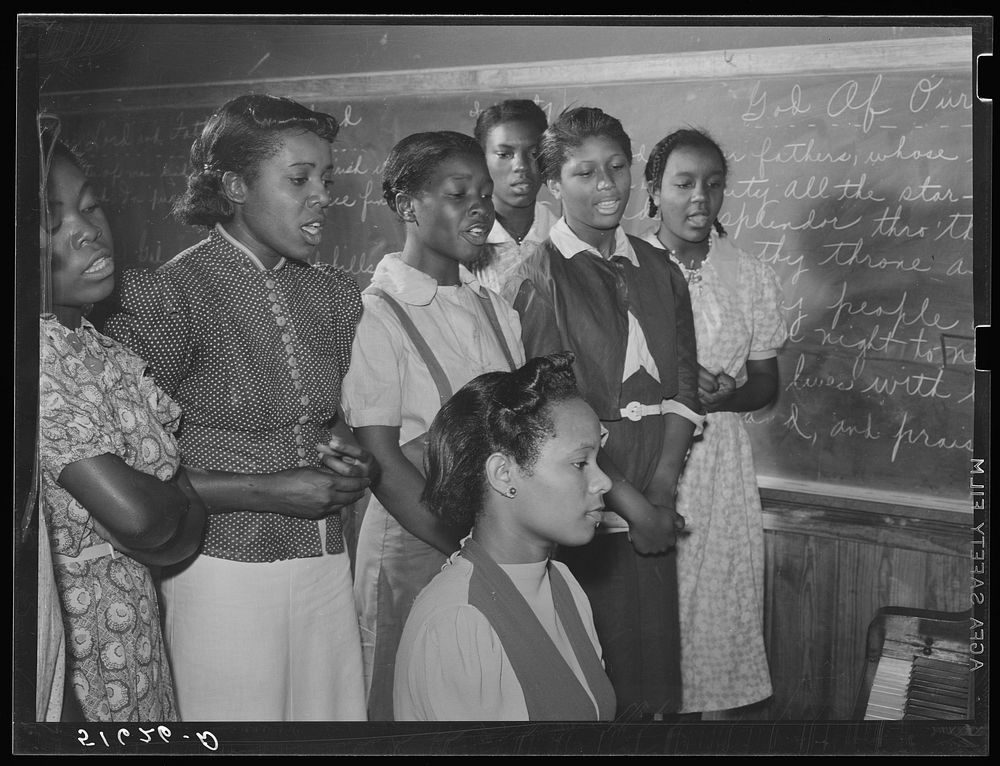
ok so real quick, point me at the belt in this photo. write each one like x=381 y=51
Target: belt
x=93 y=552
x=636 y=411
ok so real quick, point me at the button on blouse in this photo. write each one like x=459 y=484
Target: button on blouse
x=255 y=357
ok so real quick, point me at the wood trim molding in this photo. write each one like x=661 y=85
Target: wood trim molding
x=942 y=52
x=928 y=531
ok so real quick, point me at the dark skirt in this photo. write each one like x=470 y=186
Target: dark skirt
x=634 y=598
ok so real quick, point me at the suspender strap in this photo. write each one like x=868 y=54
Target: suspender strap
x=433 y=366
x=551 y=689
x=491 y=312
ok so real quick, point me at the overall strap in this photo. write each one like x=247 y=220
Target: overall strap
x=491 y=313
x=552 y=691
x=591 y=665
x=433 y=366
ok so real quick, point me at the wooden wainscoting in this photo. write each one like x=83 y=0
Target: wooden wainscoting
x=831 y=564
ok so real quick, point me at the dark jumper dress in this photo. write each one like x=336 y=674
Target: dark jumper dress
x=581 y=304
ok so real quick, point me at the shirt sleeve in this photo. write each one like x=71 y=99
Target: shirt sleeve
x=154 y=322
x=371 y=394
x=347 y=306
x=769 y=329
x=457 y=671
x=69 y=420
x=533 y=303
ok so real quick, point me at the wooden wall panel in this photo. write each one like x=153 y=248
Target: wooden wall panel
x=824 y=585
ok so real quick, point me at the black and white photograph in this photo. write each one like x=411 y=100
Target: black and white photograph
x=502 y=385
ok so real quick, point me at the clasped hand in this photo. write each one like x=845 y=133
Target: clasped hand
x=714 y=388
x=657 y=531
x=345 y=472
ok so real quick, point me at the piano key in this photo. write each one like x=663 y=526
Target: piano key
x=937 y=699
x=880 y=713
x=923 y=666
x=930 y=704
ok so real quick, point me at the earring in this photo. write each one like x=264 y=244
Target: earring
x=511 y=491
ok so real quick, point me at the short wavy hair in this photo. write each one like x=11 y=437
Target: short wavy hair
x=238 y=137
x=506 y=412
x=570 y=130
x=412 y=161
x=512 y=110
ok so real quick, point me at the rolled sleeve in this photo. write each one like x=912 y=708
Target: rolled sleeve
x=371 y=394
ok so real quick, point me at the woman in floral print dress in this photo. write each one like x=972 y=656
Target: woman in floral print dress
x=114 y=497
x=739 y=325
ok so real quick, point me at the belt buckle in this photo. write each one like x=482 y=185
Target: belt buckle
x=633 y=411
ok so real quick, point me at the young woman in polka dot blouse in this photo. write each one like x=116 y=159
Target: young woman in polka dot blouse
x=253 y=341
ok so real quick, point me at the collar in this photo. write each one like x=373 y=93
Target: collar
x=411 y=285
x=570 y=245
x=649 y=235
x=56 y=330
x=52 y=323
x=246 y=250
x=540 y=227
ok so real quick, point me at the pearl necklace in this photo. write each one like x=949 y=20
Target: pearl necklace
x=692 y=275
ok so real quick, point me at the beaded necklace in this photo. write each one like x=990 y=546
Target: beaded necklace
x=692 y=273
x=693 y=276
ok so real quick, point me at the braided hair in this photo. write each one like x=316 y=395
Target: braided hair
x=507 y=412
x=693 y=138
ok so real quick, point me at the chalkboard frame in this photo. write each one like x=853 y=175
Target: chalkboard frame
x=909 y=54
x=948 y=53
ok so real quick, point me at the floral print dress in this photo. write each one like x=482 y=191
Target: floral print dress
x=93 y=400
x=737 y=305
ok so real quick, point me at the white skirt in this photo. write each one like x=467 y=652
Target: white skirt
x=274 y=641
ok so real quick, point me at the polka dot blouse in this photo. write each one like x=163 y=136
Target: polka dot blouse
x=255 y=358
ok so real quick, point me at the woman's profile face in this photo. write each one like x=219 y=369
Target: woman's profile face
x=594 y=185
x=283 y=211
x=561 y=495
x=83 y=268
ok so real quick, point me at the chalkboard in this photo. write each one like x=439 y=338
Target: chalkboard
x=850 y=173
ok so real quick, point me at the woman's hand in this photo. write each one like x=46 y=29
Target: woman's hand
x=707 y=382
x=714 y=388
x=348 y=459
x=656 y=531
x=310 y=493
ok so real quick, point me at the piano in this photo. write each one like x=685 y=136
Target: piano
x=917 y=667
